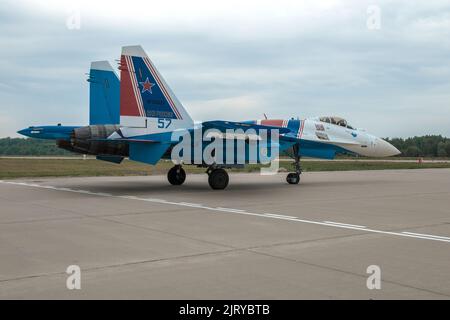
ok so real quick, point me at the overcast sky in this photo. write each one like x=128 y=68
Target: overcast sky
x=237 y=59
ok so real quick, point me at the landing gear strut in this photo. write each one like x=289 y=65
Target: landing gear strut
x=176 y=175
x=294 y=177
x=217 y=178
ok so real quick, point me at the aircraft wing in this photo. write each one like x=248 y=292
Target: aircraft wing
x=337 y=142
x=224 y=125
x=331 y=141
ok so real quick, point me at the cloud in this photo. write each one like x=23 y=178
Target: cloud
x=238 y=108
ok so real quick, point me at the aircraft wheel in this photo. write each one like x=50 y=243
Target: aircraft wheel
x=293 y=178
x=218 y=179
x=176 y=175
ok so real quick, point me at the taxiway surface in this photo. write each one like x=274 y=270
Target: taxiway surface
x=139 y=237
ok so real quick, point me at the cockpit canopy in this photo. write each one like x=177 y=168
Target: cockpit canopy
x=337 y=121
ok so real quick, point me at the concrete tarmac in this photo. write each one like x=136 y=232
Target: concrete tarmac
x=139 y=237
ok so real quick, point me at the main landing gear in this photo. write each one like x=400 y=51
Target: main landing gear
x=217 y=178
x=176 y=175
x=294 y=177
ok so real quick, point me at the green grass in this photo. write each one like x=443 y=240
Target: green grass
x=24 y=168
x=362 y=165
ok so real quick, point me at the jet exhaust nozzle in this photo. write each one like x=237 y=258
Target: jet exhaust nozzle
x=92 y=140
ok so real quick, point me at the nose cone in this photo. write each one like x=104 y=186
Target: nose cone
x=385 y=149
x=25 y=132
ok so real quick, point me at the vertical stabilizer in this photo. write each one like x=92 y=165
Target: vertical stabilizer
x=145 y=98
x=104 y=88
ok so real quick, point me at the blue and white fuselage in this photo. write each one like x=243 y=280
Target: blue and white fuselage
x=140 y=117
x=324 y=137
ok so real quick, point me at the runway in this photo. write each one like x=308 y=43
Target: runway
x=139 y=237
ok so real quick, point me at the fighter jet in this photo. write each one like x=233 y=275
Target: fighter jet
x=140 y=117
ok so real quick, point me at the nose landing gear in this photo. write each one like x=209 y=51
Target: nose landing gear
x=294 y=177
x=176 y=175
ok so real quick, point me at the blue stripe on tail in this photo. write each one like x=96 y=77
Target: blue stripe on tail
x=156 y=105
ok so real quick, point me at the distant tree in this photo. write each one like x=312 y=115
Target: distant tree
x=441 y=151
x=29 y=147
x=447 y=147
x=412 y=151
x=425 y=146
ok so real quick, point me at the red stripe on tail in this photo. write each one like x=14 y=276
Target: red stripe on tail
x=128 y=103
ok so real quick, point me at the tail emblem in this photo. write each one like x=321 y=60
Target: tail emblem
x=147 y=86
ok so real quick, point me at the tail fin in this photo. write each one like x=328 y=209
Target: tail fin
x=145 y=95
x=104 y=88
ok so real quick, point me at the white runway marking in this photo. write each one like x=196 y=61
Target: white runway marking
x=243 y=212
x=194 y=205
x=426 y=235
x=230 y=209
x=345 y=224
x=279 y=216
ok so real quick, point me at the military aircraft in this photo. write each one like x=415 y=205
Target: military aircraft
x=139 y=117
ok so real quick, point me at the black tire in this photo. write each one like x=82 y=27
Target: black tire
x=293 y=178
x=218 y=179
x=176 y=176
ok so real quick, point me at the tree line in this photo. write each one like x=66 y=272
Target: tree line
x=30 y=147
x=425 y=146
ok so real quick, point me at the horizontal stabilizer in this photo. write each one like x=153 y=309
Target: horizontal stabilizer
x=121 y=140
x=108 y=158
